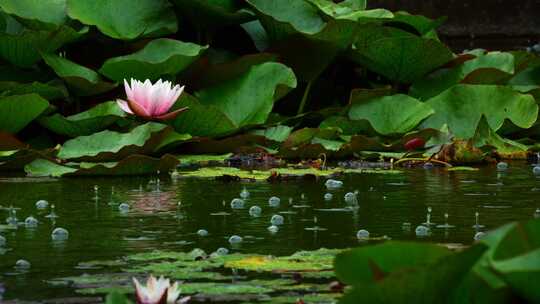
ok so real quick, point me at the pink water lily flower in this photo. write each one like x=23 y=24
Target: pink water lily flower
x=158 y=291
x=151 y=101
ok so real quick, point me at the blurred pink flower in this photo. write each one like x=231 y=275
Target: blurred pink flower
x=158 y=291
x=151 y=101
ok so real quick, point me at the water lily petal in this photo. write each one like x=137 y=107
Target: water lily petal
x=124 y=106
x=170 y=99
x=172 y=115
x=129 y=90
x=137 y=109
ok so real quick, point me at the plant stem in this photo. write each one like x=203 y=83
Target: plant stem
x=304 y=98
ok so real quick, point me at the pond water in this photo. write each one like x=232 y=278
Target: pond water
x=99 y=231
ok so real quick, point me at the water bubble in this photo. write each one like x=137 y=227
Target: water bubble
x=536 y=170
x=255 y=211
x=422 y=231
x=274 y=201
x=350 y=198
x=22 y=264
x=479 y=235
x=123 y=207
x=362 y=234
x=237 y=203
x=222 y=251
x=537 y=213
x=59 y=234
x=244 y=193
x=277 y=219
x=202 y=232
x=42 y=204
x=235 y=239
x=3 y=241
x=328 y=197
x=333 y=184
x=502 y=166
x=30 y=222
x=273 y=229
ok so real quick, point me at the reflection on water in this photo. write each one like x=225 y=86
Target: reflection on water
x=109 y=218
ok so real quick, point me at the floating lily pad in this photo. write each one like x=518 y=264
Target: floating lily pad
x=389 y=115
x=82 y=80
x=94 y=120
x=131 y=165
x=16 y=112
x=110 y=145
x=143 y=18
x=159 y=57
x=462 y=106
x=23 y=48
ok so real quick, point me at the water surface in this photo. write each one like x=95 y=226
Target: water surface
x=99 y=231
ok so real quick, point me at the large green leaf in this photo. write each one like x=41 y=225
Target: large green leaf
x=202 y=120
x=396 y=54
x=94 y=120
x=110 y=145
x=485 y=137
x=388 y=115
x=82 y=80
x=309 y=34
x=433 y=282
x=288 y=16
x=125 y=19
x=42 y=12
x=517 y=259
x=462 y=106
x=371 y=263
x=19 y=110
x=213 y=13
x=50 y=91
x=244 y=101
x=484 y=68
x=23 y=47
x=157 y=58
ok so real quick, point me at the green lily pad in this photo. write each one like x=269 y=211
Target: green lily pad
x=89 y=122
x=240 y=102
x=16 y=112
x=422 y=284
x=159 y=57
x=131 y=165
x=462 y=106
x=398 y=55
x=23 y=47
x=112 y=145
x=213 y=14
x=50 y=91
x=278 y=133
x=140 y=18
x=390 y=115
x=368 y=264
x=483 y=68
x=302 y=261
x=46 y=13
x=82 y=80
